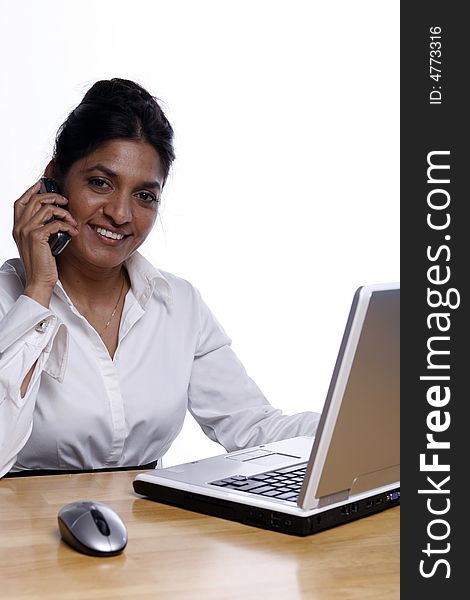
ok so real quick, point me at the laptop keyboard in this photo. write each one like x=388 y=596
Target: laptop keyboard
x=282 y=483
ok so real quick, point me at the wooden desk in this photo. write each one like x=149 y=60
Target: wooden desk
x=173 y=553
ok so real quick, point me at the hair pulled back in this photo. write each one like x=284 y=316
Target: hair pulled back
x=112 y=109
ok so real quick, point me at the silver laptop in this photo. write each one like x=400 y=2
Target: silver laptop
x=348 y=470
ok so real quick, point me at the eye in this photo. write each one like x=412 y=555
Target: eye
x=98 y=182
x=147 y=197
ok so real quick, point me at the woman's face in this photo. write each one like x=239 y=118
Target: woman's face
x=113 y=194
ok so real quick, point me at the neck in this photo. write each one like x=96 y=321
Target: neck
x=93 y=285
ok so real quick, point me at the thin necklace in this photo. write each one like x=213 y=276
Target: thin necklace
x=100 y=333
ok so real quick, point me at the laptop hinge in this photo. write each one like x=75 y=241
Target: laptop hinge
x=332 y=498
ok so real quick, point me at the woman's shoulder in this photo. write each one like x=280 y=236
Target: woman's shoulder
x=12 y=277
x=11 y=284
x=176 y=282
x=180 y=290
x=13 y=265
x=170 y=286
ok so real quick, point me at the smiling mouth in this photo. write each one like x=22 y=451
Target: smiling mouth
x=111 y=235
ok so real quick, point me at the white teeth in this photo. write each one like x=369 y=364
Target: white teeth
x=109 y=234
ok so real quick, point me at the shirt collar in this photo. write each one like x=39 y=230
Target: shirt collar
x=145 y=279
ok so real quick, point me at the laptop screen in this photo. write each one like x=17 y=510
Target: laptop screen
x=357 y=446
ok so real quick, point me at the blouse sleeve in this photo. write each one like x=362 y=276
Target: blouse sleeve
x=226 y=402
x=29 y=334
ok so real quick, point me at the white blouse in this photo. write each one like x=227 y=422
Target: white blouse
x=84 y=410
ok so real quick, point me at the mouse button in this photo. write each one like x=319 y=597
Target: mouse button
x=118 y=534
x=117 y=539
x=71 y=512
x=87 y=533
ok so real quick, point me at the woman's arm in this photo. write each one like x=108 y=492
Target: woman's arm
x=227 y=403
x=32 y=340
x=28 y=329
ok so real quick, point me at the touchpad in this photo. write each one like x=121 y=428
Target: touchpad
x=263 y=457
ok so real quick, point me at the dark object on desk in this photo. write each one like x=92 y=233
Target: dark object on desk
x=92 y=528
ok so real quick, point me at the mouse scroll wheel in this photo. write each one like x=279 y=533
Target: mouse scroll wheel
x=100 y=521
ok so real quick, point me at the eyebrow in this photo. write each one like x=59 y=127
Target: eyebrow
x=111 y=173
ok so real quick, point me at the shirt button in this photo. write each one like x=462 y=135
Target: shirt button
x=42 y=326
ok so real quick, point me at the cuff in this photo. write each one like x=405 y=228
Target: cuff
x=32 y=323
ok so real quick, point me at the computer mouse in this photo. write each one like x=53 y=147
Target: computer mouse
x=92 y=528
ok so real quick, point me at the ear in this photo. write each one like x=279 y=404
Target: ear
x=49 y=170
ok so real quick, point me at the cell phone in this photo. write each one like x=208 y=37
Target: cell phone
x=57 y=241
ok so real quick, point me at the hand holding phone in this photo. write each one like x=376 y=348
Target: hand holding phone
x=38 y=215
x=57 y=241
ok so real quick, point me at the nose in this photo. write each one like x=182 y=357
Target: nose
x=119 y=208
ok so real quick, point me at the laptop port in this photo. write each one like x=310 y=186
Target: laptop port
x=256 y=517
x=276 y=521
x=287 y=523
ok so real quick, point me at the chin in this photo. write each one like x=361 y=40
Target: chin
x=104 y=259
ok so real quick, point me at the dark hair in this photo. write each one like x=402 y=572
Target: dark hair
x=112 y=109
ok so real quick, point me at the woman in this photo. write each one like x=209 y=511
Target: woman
x=101 y=354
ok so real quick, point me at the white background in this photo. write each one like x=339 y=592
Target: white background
x=284 y=196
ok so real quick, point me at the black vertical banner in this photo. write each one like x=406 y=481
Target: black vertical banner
x=435 y=233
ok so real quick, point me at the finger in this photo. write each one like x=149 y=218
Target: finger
x=42 y=215
x=49 y=198
x=56 y=226
x=24 y=199
x=25 y=225
x=35 y=203
x=59 y=213
x=42 y=234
